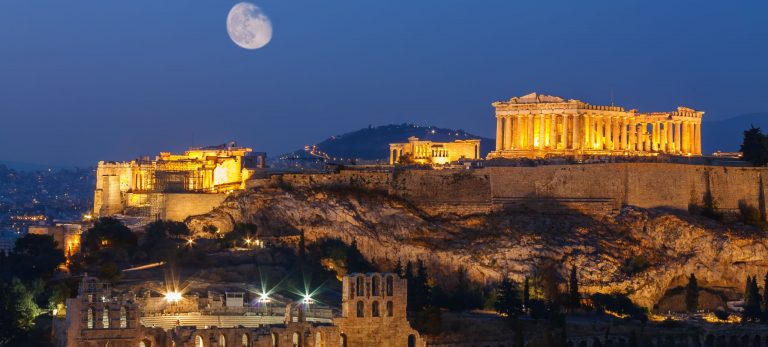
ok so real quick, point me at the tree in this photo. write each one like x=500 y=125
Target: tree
x=418 y=287
x=109 y=233
x=508 y=298
x=692 y=294
x=573 y=287
x=765 y=293
x=399 y=268
x=526 y=294
x=754 y=148
x=17 y=311
x=751 y=300
x=35 y=256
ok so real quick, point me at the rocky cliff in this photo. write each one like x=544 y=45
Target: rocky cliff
x=642 y=252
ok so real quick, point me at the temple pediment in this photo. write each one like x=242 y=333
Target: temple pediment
x=535 y=98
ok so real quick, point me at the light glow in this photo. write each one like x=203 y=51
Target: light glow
x=173 y=297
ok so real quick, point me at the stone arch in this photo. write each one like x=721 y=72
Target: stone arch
x=145 y=343
x=360 y=309
x=375 y=309
x=343 y=340
x=390 y=285
x=411 y=340
x=319 y=339
x=123 y=317
x=105 y=317
x=296 y=339
x=375 y=285
x=275 y=340
x=245 y=341
x=199 y=341
x=360 y=284
x=222 y=340
x=390 y=309
x=89 y=318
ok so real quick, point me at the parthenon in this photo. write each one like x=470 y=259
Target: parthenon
x=536 y=125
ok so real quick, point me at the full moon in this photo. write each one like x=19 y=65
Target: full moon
x=248 y=26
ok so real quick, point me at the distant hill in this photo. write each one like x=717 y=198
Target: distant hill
x=726 y=135
x=373 y=143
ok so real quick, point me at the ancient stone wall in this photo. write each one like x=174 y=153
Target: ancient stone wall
x=179 y=206
x=590 y=188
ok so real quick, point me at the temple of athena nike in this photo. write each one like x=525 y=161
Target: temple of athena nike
x=535 y=126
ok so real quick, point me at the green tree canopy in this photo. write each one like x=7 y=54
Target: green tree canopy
x=34 y=256
x=109 y=232
x=508 y=298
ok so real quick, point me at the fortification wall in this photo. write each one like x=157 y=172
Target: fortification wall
x=591 y=188
x=647 y=185
x=179 y=206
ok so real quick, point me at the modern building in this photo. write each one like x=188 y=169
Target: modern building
x=417 y=151
x=536 y=126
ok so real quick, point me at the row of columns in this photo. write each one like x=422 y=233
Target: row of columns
x=596 y=132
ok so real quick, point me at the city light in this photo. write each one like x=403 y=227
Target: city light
x=173 y=297
x=307 y=300
x=190 y=242
x=264 y=298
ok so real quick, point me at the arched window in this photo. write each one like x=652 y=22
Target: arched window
x=90 y=318
x=275 y=340
x=360 y=286
x=123 y=318
x=105 y=318
x=222 y=340
x=142 y=344
x=390 y=285
x=245 y=341
x=296 y=340
x=411 y=341
x=343 y=341
x=199 y=341
x=390 y=309
x=375 y=309
x=318 y=339
x=360 y=309
x=375 y=286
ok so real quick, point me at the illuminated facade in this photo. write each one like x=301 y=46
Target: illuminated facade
x=214 y=169
x=535 y=126
x=436 y=153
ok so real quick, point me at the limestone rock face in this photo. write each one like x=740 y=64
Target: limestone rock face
x=637 y=251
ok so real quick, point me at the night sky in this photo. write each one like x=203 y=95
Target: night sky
x=82 y=81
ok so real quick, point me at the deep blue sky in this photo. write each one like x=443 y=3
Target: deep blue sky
x=87 y=80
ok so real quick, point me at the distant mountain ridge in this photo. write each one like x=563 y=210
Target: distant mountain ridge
x=372 y=143
x=726 y=135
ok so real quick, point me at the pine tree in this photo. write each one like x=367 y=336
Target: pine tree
x=692 y=294
x=765 y=293
x=573 y=285
x=508 y=298
x=751 y=300
x=755 y=147
x=526 y=294
x=408 y=272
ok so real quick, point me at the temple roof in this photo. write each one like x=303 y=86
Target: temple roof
x=534 y=98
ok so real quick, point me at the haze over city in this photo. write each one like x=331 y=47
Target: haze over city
x=89 y=81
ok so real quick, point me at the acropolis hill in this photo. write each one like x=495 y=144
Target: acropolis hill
x=641 y=195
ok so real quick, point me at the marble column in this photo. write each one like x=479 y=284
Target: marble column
x=542 y=131
x=575 y=143
x=499 y=132
x=609 y=133
x=520 y=133
x=697 y=143
x=676 y=137
x=529 y=143
x=623 y=134
x=663 y=137
x=640 y=132
x=587 y=141
x=565 y=132
x=552 y=143
x=668 y=131
x=508 y=133
x=631 y=137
